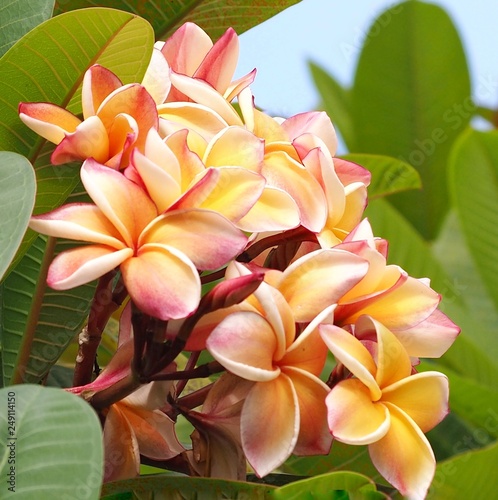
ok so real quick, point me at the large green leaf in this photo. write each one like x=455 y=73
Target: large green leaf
x=389 y=175
x=17 y=17
x=48 y=64
x=169 y=486
x=37 y=323
x=336 y=101
x=402 y=109
x=474 y=186
x=17 y=197
x=214 y=16
x=469 y=475
x=334 y=485
x=51 y=444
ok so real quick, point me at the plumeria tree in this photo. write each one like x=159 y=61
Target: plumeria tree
x=201 y=280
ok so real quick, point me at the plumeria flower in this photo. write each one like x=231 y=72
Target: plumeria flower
x=222 y=175
x=284 y=410
x=116 y=117
x=190 y=52
x=405 y=305
x=133 y=426
x=384 y=406
x=158 y=254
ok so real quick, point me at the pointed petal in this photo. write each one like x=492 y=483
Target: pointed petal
x=281 y=171
x=161 y=186
x=403 y=307
x=423 y=396
x=431 y=338
x=356 y=202
x=244 y=343
x=133 y=100
x=411 y=473
x=237 y=86
x=319 y=279
x=275 y=210
x=236 y=147
x=190 y=230
x=81 y=265
x=314 y=435
x=154 y=432
x=160 y=153
x=121 y=454
x=202 y=93
x=230 y=191
x=315 y=122
x=352 y=415
x=186 y=48
x=393 y=362
x=219 y=65
x=353 y=355
x=89 y=140
x=98 y=83
x=268 y=128
x=350 y=172
x=270 y=424
x=162 y=282
x=156 y=79
x=78 y=221
x=48 y=120
x=124 y=203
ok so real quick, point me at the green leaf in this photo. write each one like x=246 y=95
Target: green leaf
x=169 y=486
x=336 y=101
x=324 y=486
x=17 y=197
x=474 y=187
x=51 y=444
x=214 y=16
x=17 y=17
x=389 y=175
x=469 y=475
x=37 y=323
x=48 y=64
x=401 y=108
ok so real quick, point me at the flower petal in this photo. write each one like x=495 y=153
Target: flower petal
x=81 y=265
x=393 y=362
x=121 y=454
x=352 y=415
x=423 y=396
x=78 y=221
x=281 y=171
x=353 y=355
x=156 y=79
x=124 y=203
x=244 y=343
x=230 y=191
x=319 y=279
x=275 y=210
x=190 y=230
x=98 y=83
x=270 y=424
x=162 y=282
x=404 y=456
x=314 y=435
x=89 y=140
x=48 y=120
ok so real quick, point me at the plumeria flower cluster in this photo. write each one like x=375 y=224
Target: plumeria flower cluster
x=240 y=234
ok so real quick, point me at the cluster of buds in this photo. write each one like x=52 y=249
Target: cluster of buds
x=239 y=234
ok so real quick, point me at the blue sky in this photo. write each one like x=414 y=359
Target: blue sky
x=330 y=32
